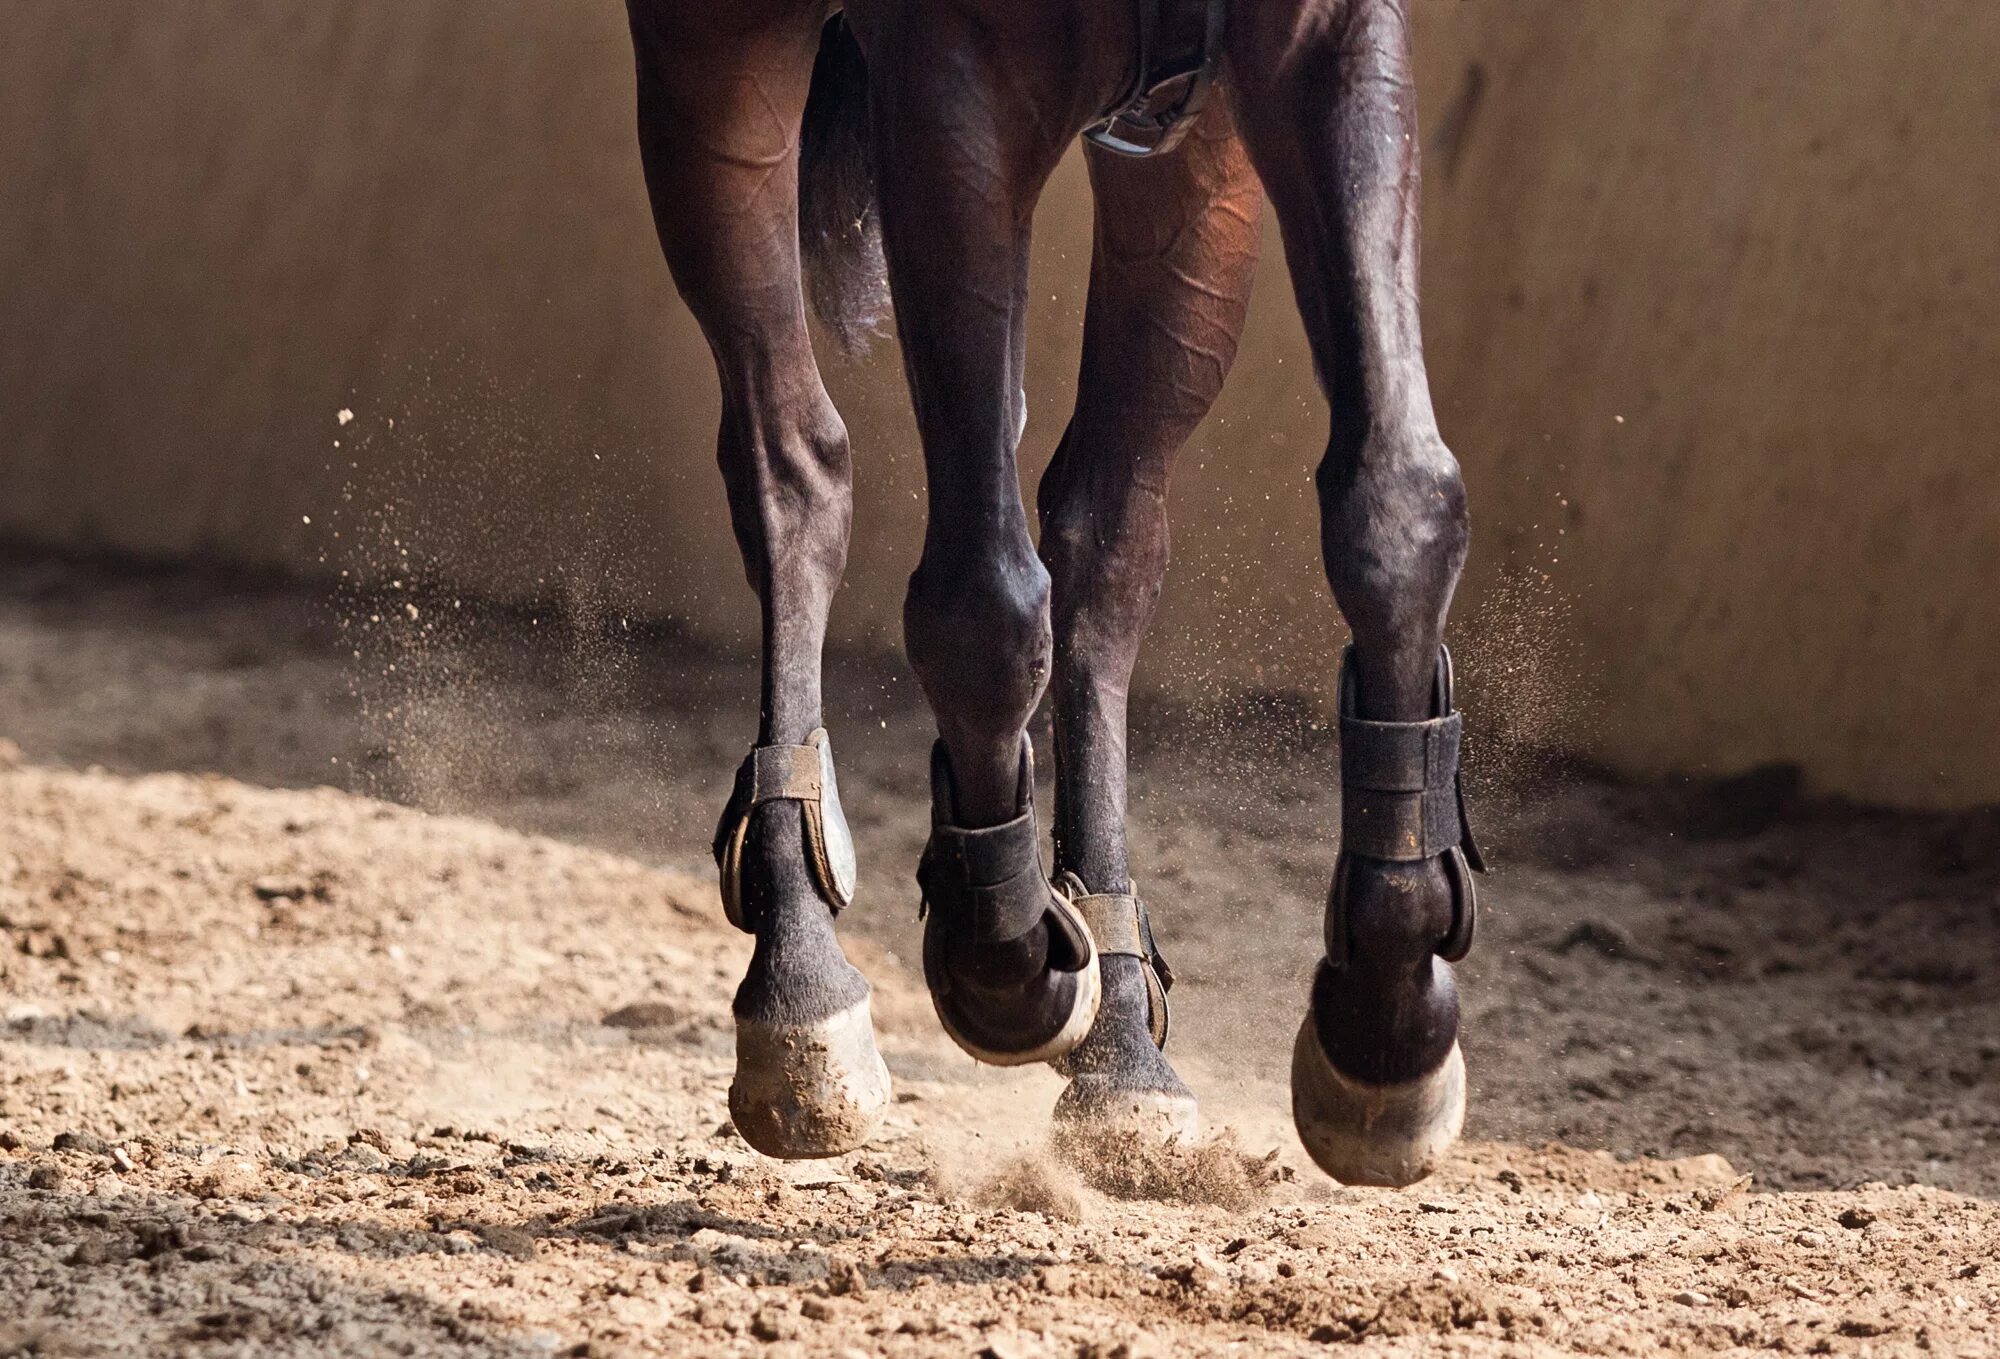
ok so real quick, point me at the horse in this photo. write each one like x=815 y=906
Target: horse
x=884 y=157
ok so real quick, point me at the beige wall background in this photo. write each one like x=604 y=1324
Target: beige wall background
x=1711 y=291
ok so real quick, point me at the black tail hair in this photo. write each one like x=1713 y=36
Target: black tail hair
x=840 y=231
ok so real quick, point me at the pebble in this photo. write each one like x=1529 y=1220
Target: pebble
x=363 y=1156
x=1687 y=1297
x=774 y=1324
x=89 y=1143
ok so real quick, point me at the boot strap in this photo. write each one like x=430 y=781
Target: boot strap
x=988 y=881
x=1403 y=801
x=801 y=774
x=1120 y=925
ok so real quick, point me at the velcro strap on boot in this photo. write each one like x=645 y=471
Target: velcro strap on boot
x=801 y=774
x=1399 y=788
x=987 y=881
x=1114 y=921
x=1402 y=800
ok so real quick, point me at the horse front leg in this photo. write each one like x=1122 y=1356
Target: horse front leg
x=1327 y=105
x=1171 y=266
x=719 y=115
x=964 y=153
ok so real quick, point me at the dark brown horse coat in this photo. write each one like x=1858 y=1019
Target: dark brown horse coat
x=907 y=141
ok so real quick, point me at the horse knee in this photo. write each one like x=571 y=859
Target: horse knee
x=1107 y=558
x=791 y=503
x=1394 y=530
x=976 y=626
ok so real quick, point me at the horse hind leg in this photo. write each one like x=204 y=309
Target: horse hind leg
x=1327 y=106
x=1175 y=250
x=719 y=117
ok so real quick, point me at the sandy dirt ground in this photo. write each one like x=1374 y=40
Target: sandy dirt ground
x=432 y=1060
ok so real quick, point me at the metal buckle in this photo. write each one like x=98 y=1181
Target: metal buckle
x=1156 y=120
x=1156 y=114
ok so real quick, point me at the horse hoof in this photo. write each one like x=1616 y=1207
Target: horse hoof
x=1382 y=1135
x=1077 y=995
x=1098 y=1107
x=808 y=1090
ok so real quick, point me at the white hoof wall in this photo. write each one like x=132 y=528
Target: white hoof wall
x=1092 y=1110
x=804 y=1091
x=1382 y=1135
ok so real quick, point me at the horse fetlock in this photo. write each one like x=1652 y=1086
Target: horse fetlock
x=797 y=972
x=1390 y=916
x=1121 y=1041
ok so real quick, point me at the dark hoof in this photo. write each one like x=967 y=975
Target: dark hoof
x=1039 y=1020
x=808 y=1089
x=1382 y=1135
x=1103 y=1107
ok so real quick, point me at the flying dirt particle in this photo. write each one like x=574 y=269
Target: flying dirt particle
x=1032 y=1184
x=345 y=416
x=1215 y=1171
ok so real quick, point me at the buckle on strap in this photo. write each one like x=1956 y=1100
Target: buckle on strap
x=1403 y=801
x=1159 y=107
x=801 y=774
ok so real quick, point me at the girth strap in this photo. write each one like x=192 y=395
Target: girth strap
x=801 y=774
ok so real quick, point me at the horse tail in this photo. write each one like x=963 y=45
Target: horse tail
x=840 y=230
